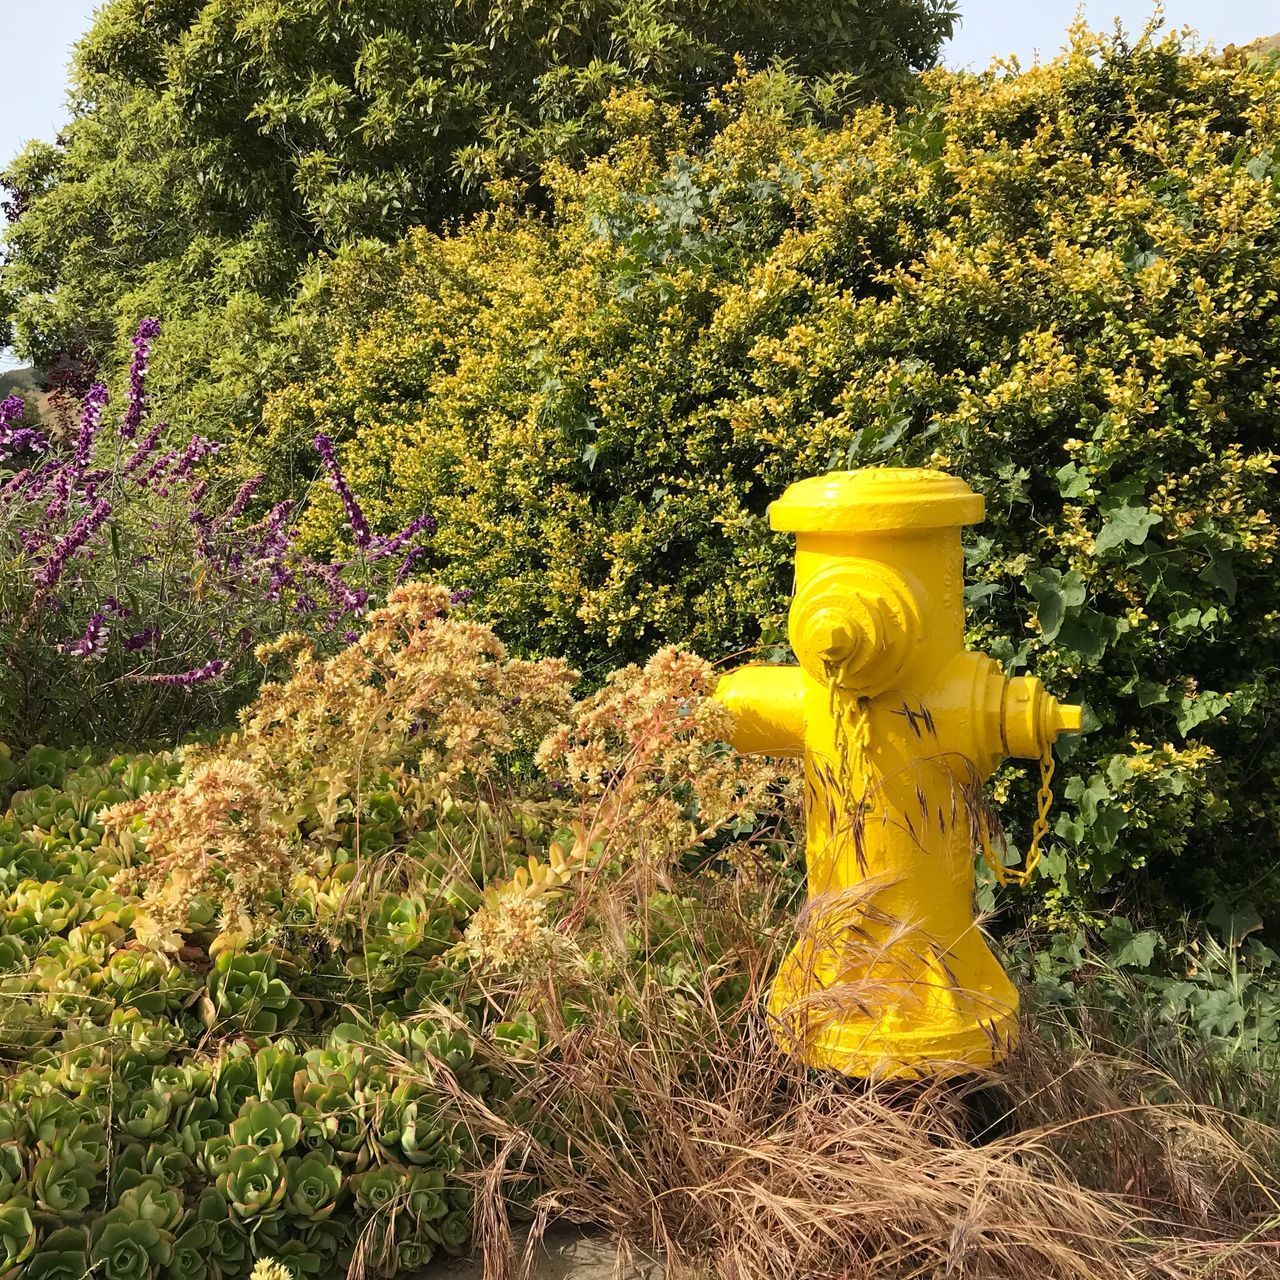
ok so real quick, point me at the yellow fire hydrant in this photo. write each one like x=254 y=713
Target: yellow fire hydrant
x=898 y=725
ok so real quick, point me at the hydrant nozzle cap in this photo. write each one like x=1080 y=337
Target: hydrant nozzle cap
x=1068 y=718
x=876 y=499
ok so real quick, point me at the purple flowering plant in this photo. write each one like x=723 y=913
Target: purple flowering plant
x=138 y=573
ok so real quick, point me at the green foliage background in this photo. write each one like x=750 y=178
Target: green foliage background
x=1060 y=284
x=219 y=147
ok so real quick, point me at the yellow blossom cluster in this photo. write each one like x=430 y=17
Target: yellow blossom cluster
x=416 y=732
x=218 y=838
x=422 y=693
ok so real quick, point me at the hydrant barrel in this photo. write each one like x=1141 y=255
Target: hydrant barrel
x=897 y=725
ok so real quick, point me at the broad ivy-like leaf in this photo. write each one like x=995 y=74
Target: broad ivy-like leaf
x=1125 y=524
x=1054 y=593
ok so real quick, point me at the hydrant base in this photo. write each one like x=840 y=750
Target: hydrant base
x=902 y=1021
x=908 y=1055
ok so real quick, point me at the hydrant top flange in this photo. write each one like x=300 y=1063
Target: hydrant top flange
x=879 y=499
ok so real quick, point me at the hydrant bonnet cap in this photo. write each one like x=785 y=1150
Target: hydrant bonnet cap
x=868 y=500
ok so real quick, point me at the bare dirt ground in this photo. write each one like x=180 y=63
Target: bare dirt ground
x=567 y=1254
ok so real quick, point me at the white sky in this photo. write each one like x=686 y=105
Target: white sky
x=994 y=28
x=38 y=35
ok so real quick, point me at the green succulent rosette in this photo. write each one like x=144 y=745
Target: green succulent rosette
x=128 y=1248
x=314 y=1187
x=192 y=1254
x=426 y=1196
x=453 y=1231
x=145 y=1114
x=17 y=1236
x=86 y=1143
x=13 y=1170
x=235 y=1081
x=276 y=1070
x=229 y=1239
x=151 y=1201
x=414 y=1255
x=61 y=1255
x=269 y=1126
x=377 y=1190
x=62 y=1186
x=253 y=1183
x=244 y=991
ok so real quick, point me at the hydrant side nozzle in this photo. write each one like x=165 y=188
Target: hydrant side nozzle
x=768 y=707
x=1069 y=718
x=1032 y=719
x=856 y=622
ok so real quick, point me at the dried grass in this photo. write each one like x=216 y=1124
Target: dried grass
x=667 y=1117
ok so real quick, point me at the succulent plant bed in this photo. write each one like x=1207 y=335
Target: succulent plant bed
x=250 y=986
x=180 y=1116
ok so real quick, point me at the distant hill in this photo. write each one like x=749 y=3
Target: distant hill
x=19 y=381
x=1256 y=48
x=25 y=383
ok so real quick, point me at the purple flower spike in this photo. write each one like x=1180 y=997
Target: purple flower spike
x=389 y=546
x=15 y=438
x=156 y=470
x=94 y=641
x=406 y=565
x=67 y=546
x=15 y=484
x=141 y=639
x=355 y=515
x=143 y=451
x=12 y=410
x=197 y=447
x=185 y=679
x=244 y=496
x=95 y=401
x=136 y=408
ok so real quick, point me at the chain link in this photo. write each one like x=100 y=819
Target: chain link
x=1021 y=877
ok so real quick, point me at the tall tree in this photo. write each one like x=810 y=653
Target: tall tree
x=217 y=146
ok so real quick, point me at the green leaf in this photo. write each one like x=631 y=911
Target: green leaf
x=1072 y=481
x=1054 y=594
x=1125 y=524
x=1194 y=710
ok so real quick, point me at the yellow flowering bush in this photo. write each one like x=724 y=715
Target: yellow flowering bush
x=1059 y=283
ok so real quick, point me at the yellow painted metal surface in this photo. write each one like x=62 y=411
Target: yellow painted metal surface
x=897 y=725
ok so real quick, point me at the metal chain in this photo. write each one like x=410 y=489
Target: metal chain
x=1021 y=877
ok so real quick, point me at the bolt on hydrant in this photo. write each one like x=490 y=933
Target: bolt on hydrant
x=898 y=725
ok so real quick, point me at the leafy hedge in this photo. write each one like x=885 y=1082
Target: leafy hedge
x=1059 y=284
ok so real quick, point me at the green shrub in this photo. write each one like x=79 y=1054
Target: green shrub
x=1059 y=284
x=219 y=149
